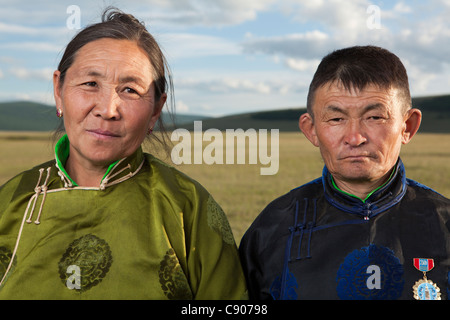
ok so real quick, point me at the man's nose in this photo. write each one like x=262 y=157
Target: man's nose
x=355 y=135
x=107 y=105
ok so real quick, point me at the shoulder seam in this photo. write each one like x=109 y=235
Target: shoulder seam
x=414 y=183
x=315 y=181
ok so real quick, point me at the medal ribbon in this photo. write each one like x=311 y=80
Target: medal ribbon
x=423 y=265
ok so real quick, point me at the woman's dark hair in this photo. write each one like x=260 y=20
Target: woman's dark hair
x=360 y=66
x=118 y=25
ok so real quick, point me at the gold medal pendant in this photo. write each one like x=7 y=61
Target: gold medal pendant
x=425 y=289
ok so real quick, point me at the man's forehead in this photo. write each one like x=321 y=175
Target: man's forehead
x=337 y=92
x=337 y=98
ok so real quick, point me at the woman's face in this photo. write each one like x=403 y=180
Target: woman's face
x=107 y=100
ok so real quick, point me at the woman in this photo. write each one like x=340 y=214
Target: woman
x=104 y=220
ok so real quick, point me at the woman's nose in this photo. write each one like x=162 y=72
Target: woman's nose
x=107 y=105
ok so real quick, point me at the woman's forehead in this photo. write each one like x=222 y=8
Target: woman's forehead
x=103 y=57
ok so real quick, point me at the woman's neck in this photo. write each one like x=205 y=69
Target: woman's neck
x=84 y=173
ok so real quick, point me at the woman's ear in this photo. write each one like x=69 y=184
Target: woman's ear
x=412 y=121
x=57 y=89
x=157 y=109
x=306 y=125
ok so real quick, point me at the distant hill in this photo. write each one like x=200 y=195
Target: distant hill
x=284 y=120
x=27 y=116
x=435 y=112
x=30 y=116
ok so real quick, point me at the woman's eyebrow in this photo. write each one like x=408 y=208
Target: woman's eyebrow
x=122 y=79
x=127 y=79
x=90 y=73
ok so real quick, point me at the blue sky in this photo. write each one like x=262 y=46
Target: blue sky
x=233 y=56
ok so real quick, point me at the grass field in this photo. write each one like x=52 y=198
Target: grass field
x=240 y=189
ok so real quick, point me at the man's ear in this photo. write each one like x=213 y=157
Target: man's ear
x=412 y=122
x=306 y=125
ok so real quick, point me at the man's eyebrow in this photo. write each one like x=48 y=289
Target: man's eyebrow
x=333 y=108
x=374 y=106
x=370 y=107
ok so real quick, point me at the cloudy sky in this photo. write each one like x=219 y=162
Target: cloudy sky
x=232 y=56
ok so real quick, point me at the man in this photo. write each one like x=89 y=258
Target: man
x=362 y=230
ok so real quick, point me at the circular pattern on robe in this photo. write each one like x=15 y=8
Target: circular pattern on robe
x=217 y=221
x=371 y=273
x=91 y=256
x=172 y=279
x=5 y=259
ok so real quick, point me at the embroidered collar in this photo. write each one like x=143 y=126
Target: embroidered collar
x=377 y=201
x=117 y=171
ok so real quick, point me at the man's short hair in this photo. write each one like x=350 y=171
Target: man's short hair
x=359 y=66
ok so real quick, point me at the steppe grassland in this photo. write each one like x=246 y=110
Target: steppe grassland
x=240 y=188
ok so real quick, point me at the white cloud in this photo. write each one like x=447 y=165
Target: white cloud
x=208 y=13
x=302 y=64
x=169 y=13
x=34 y=96
x=225 y=85
x=44 y=74
x=33 y=46
x=305 y=45
x=236 y=85
x=182 y=107
x=336 y=16
x=17 y=29
x=185 y=45
x=420 y=34
x=402 y=7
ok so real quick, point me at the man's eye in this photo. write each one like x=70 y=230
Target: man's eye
x=90 y=84
x=130 y=90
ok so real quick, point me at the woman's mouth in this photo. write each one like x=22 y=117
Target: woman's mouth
x=103 y=134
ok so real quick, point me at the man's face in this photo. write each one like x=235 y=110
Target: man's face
x=359 y=133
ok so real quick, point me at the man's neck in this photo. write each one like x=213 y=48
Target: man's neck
x=361 y=189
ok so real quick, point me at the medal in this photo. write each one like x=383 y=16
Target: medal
x=425 y=289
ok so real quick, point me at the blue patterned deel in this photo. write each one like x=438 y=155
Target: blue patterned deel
x=289 y=290
x=371 y=273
